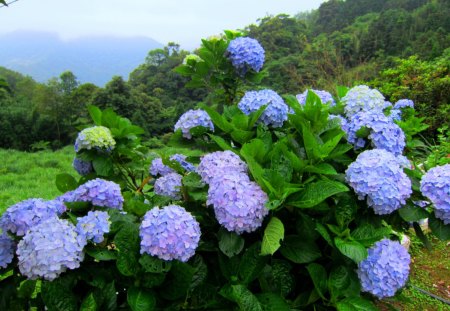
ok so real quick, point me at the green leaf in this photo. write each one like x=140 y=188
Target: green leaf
x=273 y=234
x=299 y=250
x=324 y=233
x=100 y=254
x=109 y=297
x=141 y=300
x=254 y=116
x=352 y=249
x=339 y=279
x=355 y=304
x=217 y=119
x=103 y=166
x=318 y=275
x=242 y=136
x=89 y=303
x=273 y=302
x=345 y=209
x=230 y=243
x=412 y=213
x=439 y=229
x=178 y=281
x=251 y=264
x=330 y=145
x=221 y=143
x=367 y=234
x=96 y=114
x=154 y=265
x=316 y=192
x=242 y=296
x=193 y=180
x=65 y=182
x=58 y=295
x=127 y=242
x=321 y=168
x=26 y=289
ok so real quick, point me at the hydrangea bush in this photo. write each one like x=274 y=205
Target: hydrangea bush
x=258 y=203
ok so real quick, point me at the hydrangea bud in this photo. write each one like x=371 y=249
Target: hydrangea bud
x=216 y=163
x=99 y=192
x=191 y=119
x=169 y=233
x=435 y=185
x=363 y=98
x=93 y=226
x=82 y=167
x=385 y=270
x=245 y=53
x=7 y=246
x=325 y=97
x=169 y=185
x=191 y=58
x=98 y=137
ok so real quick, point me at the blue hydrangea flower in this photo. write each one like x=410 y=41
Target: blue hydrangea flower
x=363 y=98
x=435 y=185
x=403 y=103
x=385 y=270
x=324 y=96
x=395 y=115
x=169 y=185
x=216 y=163
x=276 y=111
x=20 y=217
x=99 y=192
x=98 y=137
x=245 y=53
x=7 y=246
x=377 y=175
x=93 y=226
x=191 y=119
x=239 y=204
x=181 y=158
x=82 y=167
x=158 y=168
x=169 y=233
x=49 y=249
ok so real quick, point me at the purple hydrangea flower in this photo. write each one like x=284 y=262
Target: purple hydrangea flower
x=403 y=103
x=435 y=185
x=385 y=270
x=158 y=168
x=377 y=175
x=169 y=185
x=20 y=217
x=7 y=246
x=191 y=119
x=169 y=233
x=245 y=53
x=82 y=167
x=93 y=226
x=276 y=111
x=216 y=163
x=239 y=204
x=363 y=98
x=324 y=96
x=99 y=192
x=49 y=249
x=98 y=137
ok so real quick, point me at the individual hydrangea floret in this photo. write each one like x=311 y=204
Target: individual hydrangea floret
x=82 y=167
x=169 y=233
x=435 y=185
x=276 y=111
x=191 y=119
x=99 y=192
x=96 y=137
x=20 y=217
x=216 y=163
x=363 y=98
x=385 y=270
x=245 y=53
x=7 y=246
x=377 y=175
x=93 y=226
x=403 y=103
x=49 y=249
x=324 y=96
x=239 y=204
x=169 y=185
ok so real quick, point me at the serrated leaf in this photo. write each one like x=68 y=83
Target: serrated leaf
x=367 y=234
x=230 y=243
x=299 y=250
x=141 y=300
x=242 y=296
x=128 y=245
x=65 y=182
x=355 y=304
x=89 y=303
x=317 y=192
x=318 y=275
x=273 y=234
x=352 y=249
x=412 y=213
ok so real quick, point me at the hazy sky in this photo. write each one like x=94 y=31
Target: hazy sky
x=184 y=22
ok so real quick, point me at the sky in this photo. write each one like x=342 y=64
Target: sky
x=183 y=22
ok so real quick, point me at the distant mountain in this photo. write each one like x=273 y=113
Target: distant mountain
x=92 y=59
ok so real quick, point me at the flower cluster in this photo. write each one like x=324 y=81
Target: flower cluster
x=191 y=58
x=363 y=98
x=435 y=185
x=82 y=167
x=21 y=217
x=169 y=233
x=403 y=103
x=215 y=163
x=50 y=248
x=245 y=53
x=93 y=226
x=157 y=166
x=7 y=246
x=325 y=97
x=99 y=192
x=276 y=111
x=385 y=270
x=181 y=159
x=377 y=175
x=98 y=137
x=191 y=119
x=169 y=185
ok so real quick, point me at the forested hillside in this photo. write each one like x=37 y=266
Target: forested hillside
x=399 y=46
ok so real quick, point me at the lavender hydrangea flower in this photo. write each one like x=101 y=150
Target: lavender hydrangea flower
x=363 y=98
x=98 y=137
x=158 y=168
x=191 y=119
x=239 y=204
x=324 y=96
x=276 y=111
x=377 y=175
x=7 y=246
x=169 y=185
x=169 y=233
x=395 y=115
x=93 y=226
x=403 y=103
x=99 y=192
x=385 y=270
x=82 y=167
x=216 y=163
x=245 y=53
x=20 y=217
x=435 y=185
x=49 y=249
x=181 y=158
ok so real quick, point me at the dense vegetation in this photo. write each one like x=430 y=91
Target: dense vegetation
x=401 y=46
